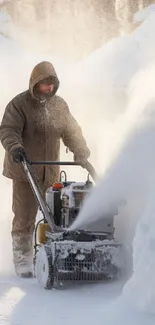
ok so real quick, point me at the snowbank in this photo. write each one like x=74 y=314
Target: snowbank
x=139 y=290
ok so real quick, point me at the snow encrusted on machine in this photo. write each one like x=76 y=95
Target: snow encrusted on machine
x=94 y=260
x=110 y=248
x=69 y=191
x=62 y=261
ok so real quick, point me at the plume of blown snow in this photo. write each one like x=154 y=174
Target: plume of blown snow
x=131 y=173
x=107 y=72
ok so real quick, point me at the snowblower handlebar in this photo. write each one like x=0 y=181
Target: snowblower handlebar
x=60 y=163
x=88 y=166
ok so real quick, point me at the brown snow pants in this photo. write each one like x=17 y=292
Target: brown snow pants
x=24 y=207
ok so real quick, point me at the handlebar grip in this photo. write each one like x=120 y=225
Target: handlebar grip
x=91 y=170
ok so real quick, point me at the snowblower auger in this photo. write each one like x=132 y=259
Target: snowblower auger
x=61 y=255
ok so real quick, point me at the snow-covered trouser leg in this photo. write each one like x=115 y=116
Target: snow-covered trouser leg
x=23 y=255
x=24 y=209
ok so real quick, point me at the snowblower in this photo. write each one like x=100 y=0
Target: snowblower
x=61 y=255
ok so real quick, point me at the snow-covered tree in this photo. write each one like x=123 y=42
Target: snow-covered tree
x=69 y=26
x=4 y=1
x=74 y=27
x=125 y=10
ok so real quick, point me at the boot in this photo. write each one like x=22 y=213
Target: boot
x=23 y=255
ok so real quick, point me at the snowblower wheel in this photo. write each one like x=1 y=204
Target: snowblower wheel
x=44 y=267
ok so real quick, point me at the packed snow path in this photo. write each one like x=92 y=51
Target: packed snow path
x=24 y=302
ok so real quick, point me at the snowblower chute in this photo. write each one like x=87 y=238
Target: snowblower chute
x=61 y=255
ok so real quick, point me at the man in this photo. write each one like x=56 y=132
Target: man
x=32 y=126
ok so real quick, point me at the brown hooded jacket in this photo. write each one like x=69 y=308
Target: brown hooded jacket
x=38 y=126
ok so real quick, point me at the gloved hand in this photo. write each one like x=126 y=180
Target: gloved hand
x=18 y=155
x=81 y=159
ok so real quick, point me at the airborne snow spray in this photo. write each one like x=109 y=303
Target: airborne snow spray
x=132 y=172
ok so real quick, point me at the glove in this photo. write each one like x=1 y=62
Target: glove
x=18 y=155
x=82 y=160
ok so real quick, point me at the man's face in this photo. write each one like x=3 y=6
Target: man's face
x=45 y=88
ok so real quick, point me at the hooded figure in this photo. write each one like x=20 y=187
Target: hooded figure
x=32 y=126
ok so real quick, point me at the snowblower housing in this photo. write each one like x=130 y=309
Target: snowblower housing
x=62 y=256
x=65 y=201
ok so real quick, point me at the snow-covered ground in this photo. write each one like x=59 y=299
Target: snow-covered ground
x=112 y=94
